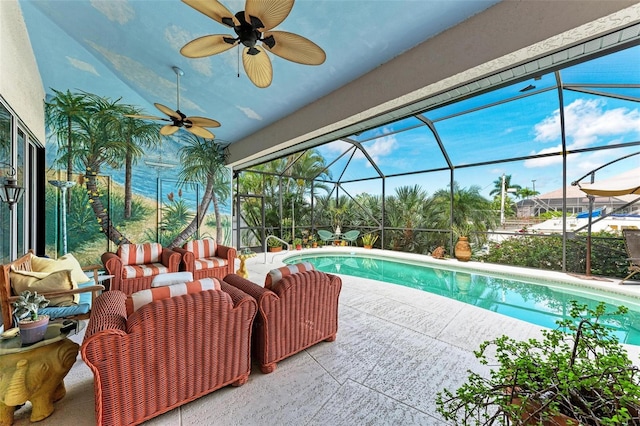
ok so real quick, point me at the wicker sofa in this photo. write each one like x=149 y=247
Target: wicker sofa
x=297 y=312
x=166 y=353
x=134 y=266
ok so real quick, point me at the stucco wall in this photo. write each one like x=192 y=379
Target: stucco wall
x=20 y=82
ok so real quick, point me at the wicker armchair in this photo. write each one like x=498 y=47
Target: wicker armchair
x=134 y=266
x=206 y=259
x=166 y=353
x=299 y=311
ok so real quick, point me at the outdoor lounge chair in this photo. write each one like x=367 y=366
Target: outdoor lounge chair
x=632 y=244
x=351 y=236
x=326 y=236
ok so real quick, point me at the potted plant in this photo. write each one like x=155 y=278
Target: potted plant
x=274 y=245
x=577 y=374
x=32 y=325
x=313 y=241
x=462 y=249
x=369 y=239
x=297 y=242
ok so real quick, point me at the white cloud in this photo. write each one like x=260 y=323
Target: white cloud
x=177 y=37
x=249 y=113
x=587 y=122
x=380 y=148
x=115 y=10
x=82 y=66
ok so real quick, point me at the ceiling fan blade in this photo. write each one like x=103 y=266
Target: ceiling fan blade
x=169 y=129
x=214 y=10
x=208 y=45
x=257 y=66
x=293 y=47
x=168 y=111
x=271 y=13
x=145 y=117
x=200 y=131
x=203 y=122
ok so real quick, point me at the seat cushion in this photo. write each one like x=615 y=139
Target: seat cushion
x=140 y=298
x=210 y=263
x=140 y=254
x=137 y=271
x=276 y=275
x=204 y=248
x=65 y=311
x=43 y=282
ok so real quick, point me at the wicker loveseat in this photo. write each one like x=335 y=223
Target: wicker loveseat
x=134 y=266
x=298 y=311
x=166 y=353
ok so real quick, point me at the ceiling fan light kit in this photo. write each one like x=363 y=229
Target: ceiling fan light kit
x=178 y=119
x=253 y=25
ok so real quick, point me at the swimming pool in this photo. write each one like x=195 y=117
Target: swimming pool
x=537 y=301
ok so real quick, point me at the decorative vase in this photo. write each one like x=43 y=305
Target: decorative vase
x=463 y=249
x=33 y=331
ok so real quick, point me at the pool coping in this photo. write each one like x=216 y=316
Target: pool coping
x=603 y=284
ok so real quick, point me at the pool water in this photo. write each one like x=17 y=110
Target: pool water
x=541 y=303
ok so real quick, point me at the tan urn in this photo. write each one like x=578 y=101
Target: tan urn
x=463 y=249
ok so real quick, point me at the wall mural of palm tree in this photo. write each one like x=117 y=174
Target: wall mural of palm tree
x=93 y=133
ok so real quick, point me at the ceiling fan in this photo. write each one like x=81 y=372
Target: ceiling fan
x=195 y=125
x=251 y=26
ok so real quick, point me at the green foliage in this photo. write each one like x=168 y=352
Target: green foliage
x=544 y=251
x=27 y=304
x=369 y=239
x=578 y=369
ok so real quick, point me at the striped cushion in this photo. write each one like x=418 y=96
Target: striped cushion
x=201 y=248
x=140 y=254
x=136 y=271
x=209 y=263
x=276 y=275
x=142 y=297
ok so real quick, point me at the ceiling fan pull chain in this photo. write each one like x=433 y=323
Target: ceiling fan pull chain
x=238 y=62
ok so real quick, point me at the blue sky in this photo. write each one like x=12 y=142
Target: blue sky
x=525 y=127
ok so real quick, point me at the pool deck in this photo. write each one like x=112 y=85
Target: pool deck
x=396 y=348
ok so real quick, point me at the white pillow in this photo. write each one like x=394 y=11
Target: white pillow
x=171 y=278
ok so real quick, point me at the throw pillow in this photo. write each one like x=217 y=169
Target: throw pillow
x=276 y=275
x=68 y=261
x=43 y=282
x=201 y=249
x=143 y=297
x=171 y=278
x=140 y=254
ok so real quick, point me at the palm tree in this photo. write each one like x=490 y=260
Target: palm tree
x=137 y=135
x=60 y=113
x=99 y=142
x=497 y=185
x=203 y=162
x=470 y=209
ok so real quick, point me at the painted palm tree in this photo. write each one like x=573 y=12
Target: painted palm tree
x=137 y=135
x=99 y=142
x=203 y=162
x=61 y=111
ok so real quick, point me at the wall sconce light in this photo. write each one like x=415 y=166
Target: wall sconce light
x=10 y=192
